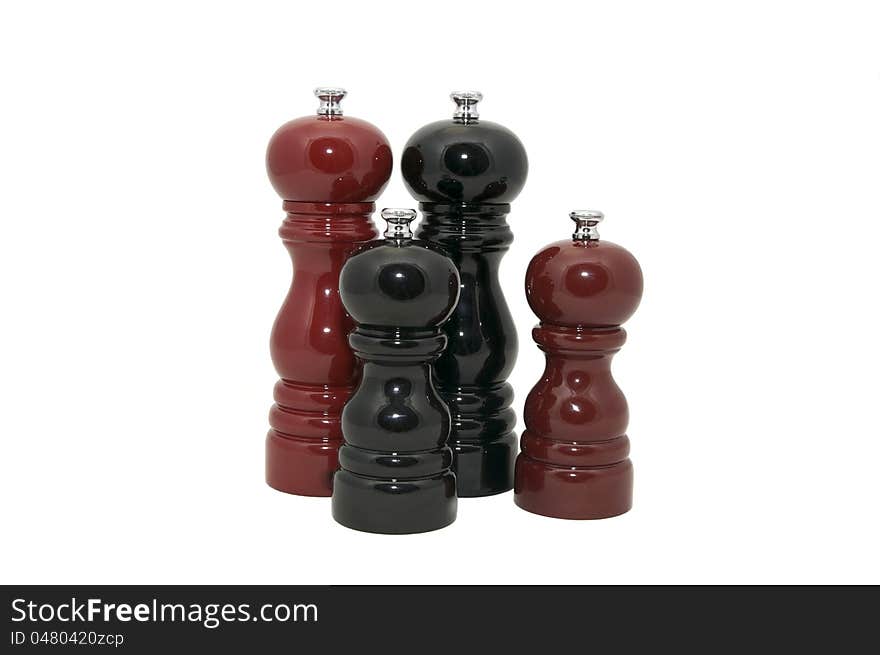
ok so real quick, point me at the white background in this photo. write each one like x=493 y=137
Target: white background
x=734 y=148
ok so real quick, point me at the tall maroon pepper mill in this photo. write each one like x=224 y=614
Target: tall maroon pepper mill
x=574 y=461
x=328 y=169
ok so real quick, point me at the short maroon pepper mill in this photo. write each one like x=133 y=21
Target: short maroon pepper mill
x=328 y=169
x=575 y=462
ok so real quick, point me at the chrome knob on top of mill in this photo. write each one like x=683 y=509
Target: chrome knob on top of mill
x=465 y=171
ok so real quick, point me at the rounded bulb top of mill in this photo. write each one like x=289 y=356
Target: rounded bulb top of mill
x=399 y=281
x=465 y=159
x=584 y=281
x=329 y=157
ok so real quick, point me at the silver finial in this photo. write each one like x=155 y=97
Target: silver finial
x=330 y=98
x=466 y=105
x=587 y=220
x=398 y=223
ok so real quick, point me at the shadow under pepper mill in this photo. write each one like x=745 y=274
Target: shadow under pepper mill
x=328 y=169
x=575 y=462
x=465 y=172
x=395 y=463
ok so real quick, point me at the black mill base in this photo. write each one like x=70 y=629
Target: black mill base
x=401 y=507
x=484 y=469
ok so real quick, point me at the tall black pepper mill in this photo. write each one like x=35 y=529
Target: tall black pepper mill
x=464 y=172
x=395 y=474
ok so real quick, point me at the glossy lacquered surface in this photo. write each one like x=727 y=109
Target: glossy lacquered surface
x=329 y=159
x=327 y=170
x=584 y=283
x=451 y=161
x=464 y=174
x=472 y=372
x=395 y=474
x=575 y=462
x=309 y=347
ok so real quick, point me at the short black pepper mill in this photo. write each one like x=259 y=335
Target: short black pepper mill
x=465 y=172
x=395 y=474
